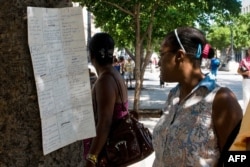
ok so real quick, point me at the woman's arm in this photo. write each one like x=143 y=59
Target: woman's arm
x=243 y=73
x=105 y=100
x=226 y=114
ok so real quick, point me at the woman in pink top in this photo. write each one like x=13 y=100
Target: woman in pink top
x=244 y=70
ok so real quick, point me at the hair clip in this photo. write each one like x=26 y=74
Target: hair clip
x=102 y=52
x=205 y=51
x=198 y=53
x=110 y=52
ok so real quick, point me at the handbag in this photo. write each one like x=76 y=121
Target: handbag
x=128 y=142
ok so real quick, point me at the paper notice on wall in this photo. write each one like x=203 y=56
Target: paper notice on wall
x=59 y=57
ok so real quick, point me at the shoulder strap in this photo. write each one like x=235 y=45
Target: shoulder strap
x=119 y=90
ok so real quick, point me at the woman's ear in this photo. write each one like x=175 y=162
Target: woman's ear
x=179 y=55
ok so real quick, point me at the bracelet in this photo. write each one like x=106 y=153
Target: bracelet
x=92 y=158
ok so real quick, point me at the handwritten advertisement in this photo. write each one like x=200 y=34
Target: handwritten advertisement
x=59 y=57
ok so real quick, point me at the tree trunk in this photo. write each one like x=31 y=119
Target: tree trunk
x=141 y=62
x=20 y=123
x=137 y=60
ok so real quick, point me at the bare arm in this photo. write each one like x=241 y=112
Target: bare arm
x=226 y=114
x=105 y=99
x=245 y=73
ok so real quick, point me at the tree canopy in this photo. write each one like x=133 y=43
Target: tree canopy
x=118 y=17
x=219 y=34
x=242 y=31
x=140 y=25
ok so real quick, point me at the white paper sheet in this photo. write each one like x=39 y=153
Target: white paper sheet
x=59 y=57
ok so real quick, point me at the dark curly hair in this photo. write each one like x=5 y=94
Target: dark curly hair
x=101 y=47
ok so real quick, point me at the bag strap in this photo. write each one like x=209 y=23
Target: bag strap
x=120 y=91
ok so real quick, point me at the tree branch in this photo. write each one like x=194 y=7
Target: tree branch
x=120 y=8
x=149 y=28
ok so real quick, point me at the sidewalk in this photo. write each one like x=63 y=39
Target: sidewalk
x=153 y=97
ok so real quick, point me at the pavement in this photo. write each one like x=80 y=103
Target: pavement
x=153 y=97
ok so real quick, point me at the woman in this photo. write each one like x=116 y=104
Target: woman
x=244 y=70
x=109 y=94
x=214 y=65
x=199 y=114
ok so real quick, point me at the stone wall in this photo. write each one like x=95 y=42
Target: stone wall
x=20 y=124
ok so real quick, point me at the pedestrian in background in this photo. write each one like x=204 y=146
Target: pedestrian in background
x=129 y=72
x=243 y=70
x=122 y=62
x=196 y=123
x=214 y=65
x=109 y=93
x=116 y=64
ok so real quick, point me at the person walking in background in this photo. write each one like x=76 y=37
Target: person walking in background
x=129 y=72
x=116 y=64
x=243 y=70
x=122 y=62
x=161 y=83
x=195 y=123
x=214 y=65
x=109 y=93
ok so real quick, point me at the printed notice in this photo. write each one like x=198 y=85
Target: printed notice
x=59 y=57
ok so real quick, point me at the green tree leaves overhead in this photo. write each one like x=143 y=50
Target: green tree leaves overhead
x=219 y=37
x=140 y=25
x=219 y=34
x=118 y=17
x=242 y=31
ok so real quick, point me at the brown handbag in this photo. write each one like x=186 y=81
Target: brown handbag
x=128 y=142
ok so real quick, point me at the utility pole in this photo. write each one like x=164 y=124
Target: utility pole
x=232 y=42
x=232 y=64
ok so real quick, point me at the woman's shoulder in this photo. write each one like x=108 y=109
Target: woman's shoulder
x=224 y=94
x=109 y=80
x=226 y=101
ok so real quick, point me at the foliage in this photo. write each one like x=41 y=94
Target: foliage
x=140 y=25
x=242 y=31
x=116 y=16
x=219 y=34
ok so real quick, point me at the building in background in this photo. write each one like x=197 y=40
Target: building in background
x=245 y=6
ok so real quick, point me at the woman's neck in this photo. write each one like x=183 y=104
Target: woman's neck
x=190 y=83
x=103 y=69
